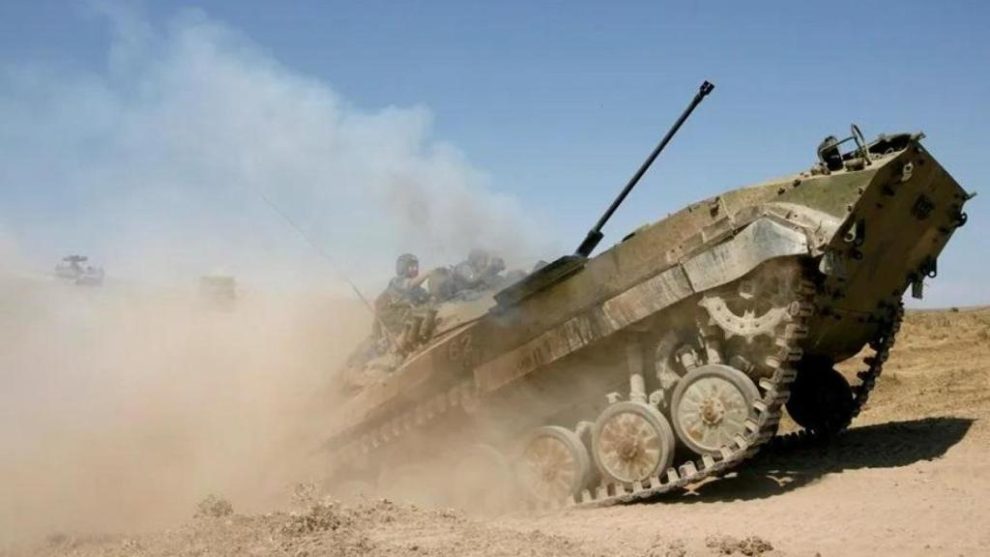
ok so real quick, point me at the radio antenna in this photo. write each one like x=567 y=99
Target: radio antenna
x=333 y=265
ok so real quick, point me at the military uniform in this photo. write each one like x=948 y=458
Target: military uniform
x=403 y=317
x=395 y=305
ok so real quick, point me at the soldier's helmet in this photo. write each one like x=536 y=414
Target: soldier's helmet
x=405 y=262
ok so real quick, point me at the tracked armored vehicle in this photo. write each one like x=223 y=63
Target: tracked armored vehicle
x=671 y=356
x=71 y=269
x=218 y=291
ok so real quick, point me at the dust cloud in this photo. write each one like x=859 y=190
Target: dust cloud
x=123 y=405
x=156 y=166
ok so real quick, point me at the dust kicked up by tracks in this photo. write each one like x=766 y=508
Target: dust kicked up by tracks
x=909 y=478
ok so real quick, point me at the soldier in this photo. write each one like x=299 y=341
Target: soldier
x=400 y=308
x=487 y=266
x=405 y=287
x=467 y=280
x=479 y=272
x=402 y=320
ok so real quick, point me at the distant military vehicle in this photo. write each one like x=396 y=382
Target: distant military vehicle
x=671 y=356
x=71 y=268
x=218 y=290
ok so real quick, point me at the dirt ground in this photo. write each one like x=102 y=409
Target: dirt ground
x=911 y=478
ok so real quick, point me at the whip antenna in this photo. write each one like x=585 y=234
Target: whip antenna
x=326 y=256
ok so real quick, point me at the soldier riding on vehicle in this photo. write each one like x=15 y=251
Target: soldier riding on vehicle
x=402 y=315
x=415 y=307
x=468 y=280
x=403 y=320
x=480 y=271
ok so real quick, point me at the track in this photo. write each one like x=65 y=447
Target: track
x=760 y=428
x=881 y=345
x=768 y=413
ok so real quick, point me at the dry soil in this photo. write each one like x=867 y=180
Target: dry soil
x=911 y=478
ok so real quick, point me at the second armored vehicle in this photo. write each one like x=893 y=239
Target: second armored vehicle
x=72 y=268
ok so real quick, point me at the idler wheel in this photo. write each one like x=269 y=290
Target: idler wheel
x=821 y=399
x=554 y=464
x=631 y=442
x=710 y=407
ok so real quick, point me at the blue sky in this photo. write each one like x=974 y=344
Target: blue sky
x=548 y=106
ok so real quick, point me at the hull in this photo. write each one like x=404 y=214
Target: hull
x=850 y=241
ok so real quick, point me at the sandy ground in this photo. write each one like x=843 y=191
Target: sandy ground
x=911 y=478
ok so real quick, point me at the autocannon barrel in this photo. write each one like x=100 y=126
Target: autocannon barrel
x=595 y=234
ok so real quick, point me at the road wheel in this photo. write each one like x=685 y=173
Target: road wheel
x=711 y=405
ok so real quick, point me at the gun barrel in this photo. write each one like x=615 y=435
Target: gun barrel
x=595 y=234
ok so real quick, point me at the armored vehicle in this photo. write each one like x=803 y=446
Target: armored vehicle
x=671 y=356
x=71 y=268
x=219 y=291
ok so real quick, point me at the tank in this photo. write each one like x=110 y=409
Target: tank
x=671 y=356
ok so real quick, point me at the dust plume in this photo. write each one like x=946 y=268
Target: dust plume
x=121 y=406
x=154 y=165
